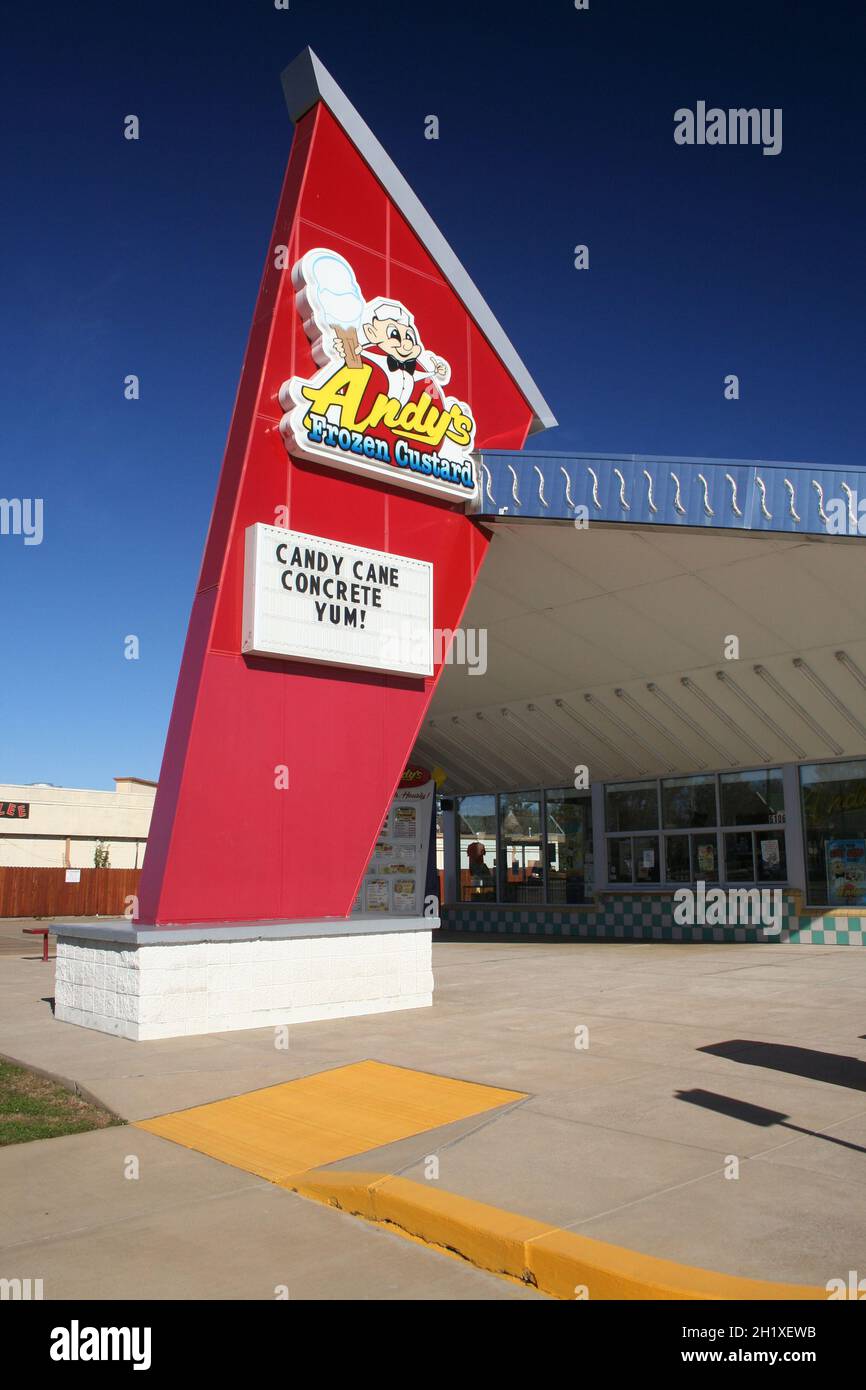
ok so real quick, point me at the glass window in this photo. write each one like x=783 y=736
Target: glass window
x=688 y=802
x=739 y=857
x=646 y=859
x=476 y=825
x=752 y=798
x=522 y=858
x=632 y=806
x=569 y=847
x=705 y=858
x=691 y=857
x=699 y=816
x=619 y=861
x=678 y=867
x=834 y=819
x=770 y=856
x=756 y=856
x=633 y=859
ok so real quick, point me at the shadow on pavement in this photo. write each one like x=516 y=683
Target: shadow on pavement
x=757 y=1115
x=832 y=1067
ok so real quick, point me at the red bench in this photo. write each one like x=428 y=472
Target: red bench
x=39 y=931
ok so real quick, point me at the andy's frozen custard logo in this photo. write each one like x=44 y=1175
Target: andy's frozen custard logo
x=378 y=402
x=414 y=776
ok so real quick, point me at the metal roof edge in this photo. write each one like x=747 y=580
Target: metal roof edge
x=535 y=455
x=305 y=81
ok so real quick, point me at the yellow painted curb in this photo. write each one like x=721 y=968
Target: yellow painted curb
x=560 y=1263
x=486 y=1236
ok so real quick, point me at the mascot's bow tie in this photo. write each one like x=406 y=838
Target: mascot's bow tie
x=395 y=365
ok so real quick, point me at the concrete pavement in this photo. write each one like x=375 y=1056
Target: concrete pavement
x=191 y=1228
x=697 y=1056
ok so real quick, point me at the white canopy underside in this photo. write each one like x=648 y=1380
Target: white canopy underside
x=574 y=613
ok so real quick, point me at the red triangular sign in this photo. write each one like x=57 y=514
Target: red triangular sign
x=279 y=766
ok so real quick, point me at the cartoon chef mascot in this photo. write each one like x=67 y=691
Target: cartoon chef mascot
x=393 y=346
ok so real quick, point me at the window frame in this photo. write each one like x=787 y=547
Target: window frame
x=718 y=831
x=534 y=793
x=792 y=831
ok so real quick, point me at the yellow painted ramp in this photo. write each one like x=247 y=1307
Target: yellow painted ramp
x=303 y=1124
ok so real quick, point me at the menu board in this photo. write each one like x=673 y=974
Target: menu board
x=396 y=875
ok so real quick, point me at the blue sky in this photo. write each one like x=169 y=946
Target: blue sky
x=145 y=257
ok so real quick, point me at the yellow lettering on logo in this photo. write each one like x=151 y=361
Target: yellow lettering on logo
x=460 y=429
x=344 y=389
x=420 y=421
x=384 y=410
x=412 y=415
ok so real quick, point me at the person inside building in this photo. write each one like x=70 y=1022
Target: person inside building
x=479 y=873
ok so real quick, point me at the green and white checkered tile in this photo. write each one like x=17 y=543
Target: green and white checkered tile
x=632 y=918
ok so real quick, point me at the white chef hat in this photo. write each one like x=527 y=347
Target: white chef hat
x=392 y=311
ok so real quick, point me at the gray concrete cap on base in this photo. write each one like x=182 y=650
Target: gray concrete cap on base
x=124 y=932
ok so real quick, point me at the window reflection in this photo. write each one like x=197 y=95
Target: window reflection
x=752 y=798
x=522 y=859
x=834 y=820
x=688 y=801
x=477 y=848
x=569 y=847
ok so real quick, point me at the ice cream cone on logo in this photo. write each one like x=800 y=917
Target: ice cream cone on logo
x=335 y=299
x=349 y=338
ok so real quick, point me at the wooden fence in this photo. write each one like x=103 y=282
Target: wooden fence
x=45 y=892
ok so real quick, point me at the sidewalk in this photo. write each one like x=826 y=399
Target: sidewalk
x=696 y=1054
x=192 y=1228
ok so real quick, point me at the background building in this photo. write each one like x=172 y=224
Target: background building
x=42 y=826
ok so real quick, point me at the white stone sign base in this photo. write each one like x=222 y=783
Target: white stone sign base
x=168 y=982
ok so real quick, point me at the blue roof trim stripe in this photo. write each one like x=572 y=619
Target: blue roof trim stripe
x=713 y=494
